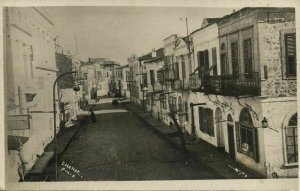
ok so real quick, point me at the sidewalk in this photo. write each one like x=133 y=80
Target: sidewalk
x=36 y=173
x=197 y=148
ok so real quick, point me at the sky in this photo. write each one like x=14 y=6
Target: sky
x=118 y=32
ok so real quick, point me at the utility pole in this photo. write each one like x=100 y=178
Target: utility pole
x=187 y=27
x=76 y=44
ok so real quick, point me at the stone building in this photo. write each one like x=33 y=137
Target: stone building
x=108 y=67
x=122 y=75
x=232 y=83
x=29 y=60
x=205 y=46
x=251 y=102
x=135 y=79
x=154 y=62
x=68 y=98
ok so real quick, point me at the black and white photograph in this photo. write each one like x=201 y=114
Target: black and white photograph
x=150 y=93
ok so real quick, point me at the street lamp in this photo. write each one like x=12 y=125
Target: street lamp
x=76 y=88
x=144 y=90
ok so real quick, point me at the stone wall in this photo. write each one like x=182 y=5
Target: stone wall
x=276 y=85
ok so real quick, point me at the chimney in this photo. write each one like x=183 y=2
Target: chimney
x=153 y=53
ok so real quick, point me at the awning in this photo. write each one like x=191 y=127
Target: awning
x=14 y=142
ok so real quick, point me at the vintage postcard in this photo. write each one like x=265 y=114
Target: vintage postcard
x=162 y=95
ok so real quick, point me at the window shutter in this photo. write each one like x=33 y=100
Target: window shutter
x=290 y=45
x=206 y=61
x=187 y=111
x=212 y=123
x=201 y=120
x=255 y=144
x=204 y=117
x=237 y=137
x=200 y=63
x=214 y=60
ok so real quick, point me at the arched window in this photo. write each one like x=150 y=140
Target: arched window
x=247 y=137
x=291 y=143
x=229 y=119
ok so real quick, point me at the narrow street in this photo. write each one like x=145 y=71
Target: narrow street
x=120 y=147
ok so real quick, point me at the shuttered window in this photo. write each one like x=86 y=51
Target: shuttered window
x=234 y=59
x=206 y=121
x=206 y=61
x=176 y=70
x=200 y=56
x=144 y=77
x=290 y=54
x=187 y=111
x=152 y=77
x=248 y=57
x=214 y=60
x=183 y=67
x=160 y=76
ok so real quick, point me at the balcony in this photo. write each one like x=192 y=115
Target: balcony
x=194 y=82
x=170 y=75
x=230 y=85
x=181 y=85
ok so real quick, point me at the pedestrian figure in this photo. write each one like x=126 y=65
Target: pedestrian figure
x=98 y=99
x=93 y=116
x=115 y=102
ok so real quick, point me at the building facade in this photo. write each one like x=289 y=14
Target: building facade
x=122 y=75
x=250 y=81
x=30 y=72
x=232 y=83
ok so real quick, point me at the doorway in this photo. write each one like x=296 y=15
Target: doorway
x=219 y=128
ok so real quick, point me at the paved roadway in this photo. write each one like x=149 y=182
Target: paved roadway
x=120 y=147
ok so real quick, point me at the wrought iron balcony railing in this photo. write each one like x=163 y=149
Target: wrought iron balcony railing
x=194 y=82
x=170 y=75
x=231 y=85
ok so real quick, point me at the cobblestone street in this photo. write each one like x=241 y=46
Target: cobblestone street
x=120 y=147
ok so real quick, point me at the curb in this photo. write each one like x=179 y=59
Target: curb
x=41 y=176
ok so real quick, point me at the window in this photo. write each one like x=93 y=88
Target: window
x=248 y=58
x=206 y=121
x=183 y=67
x=176 y=65
x=84 y=76
x=234 y=59
x=223 y=60
x=290 y=54
x=203 y=62
x=172 y=103
x=291 y=143
x=186 y=111
x=214 y=60
x=163 y=102
x=152 y=77
x=144 y=79
x=246 y=136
